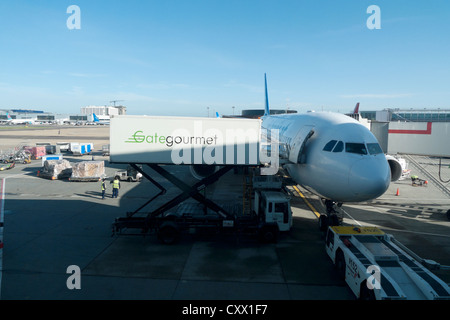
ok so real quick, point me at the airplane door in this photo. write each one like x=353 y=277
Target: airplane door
x=298 y=145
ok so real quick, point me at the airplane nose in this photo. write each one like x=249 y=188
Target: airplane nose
x=369 y=178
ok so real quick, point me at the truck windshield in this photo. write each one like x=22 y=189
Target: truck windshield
x=282 y=207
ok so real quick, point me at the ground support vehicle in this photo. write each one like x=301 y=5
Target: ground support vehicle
x=377 y=267
x=130 y=175
x=105 y=150
x=79 y=149
x=416 y=181
x=21 y=156
x=271 y=215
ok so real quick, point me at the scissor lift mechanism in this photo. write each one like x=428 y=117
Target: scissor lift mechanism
x=150 y=221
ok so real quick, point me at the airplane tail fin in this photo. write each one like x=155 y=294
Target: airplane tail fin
x=356 y=111
x=95 y=118
x=217 y=115
x=8 y=116
x=266 y=107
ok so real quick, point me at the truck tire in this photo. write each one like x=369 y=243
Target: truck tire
x=168 y=233
x=340 y=264
x=323 y=222
x=268 y=234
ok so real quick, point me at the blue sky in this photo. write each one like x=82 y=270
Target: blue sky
x=173 y=57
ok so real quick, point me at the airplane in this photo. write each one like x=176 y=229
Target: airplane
x=16 y=121
x=332 y=155
x=98 y=121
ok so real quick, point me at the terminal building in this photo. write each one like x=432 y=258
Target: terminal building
x=408 y=115
x=42 y=117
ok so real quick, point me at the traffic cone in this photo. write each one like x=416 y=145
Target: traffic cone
x=398 y=192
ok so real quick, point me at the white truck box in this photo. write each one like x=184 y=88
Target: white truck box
x=184 y=140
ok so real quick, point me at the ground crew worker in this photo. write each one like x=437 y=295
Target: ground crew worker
x=116 y=187
x=103 y=188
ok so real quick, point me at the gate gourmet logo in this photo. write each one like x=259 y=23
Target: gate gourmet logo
x=169 y=141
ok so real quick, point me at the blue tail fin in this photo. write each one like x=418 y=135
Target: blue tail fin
x=95 y=118
x=266 y=111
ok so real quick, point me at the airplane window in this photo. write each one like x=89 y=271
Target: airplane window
x=339 y=147
x=374 y=148
x=329 y=146
x=358 y=148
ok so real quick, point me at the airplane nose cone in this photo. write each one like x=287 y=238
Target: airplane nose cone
x=369 y=178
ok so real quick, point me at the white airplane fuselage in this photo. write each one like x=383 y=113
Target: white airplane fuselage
x=352 y=169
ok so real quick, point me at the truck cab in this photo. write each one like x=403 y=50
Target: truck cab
x=273 y=208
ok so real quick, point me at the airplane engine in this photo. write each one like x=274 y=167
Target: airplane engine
x=200 y=171
x=396 y=167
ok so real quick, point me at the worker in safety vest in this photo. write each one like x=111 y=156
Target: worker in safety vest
x=116 y=187
x=103 y=188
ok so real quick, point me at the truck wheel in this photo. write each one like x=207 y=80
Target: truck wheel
x=168 y=233
x=323 y=222
x=340 y=264
x=268 y=234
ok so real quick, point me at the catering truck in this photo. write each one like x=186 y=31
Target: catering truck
x=211 y=147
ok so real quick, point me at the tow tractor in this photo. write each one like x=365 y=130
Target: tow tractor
x=378 y=267
x=130 y=175
x=268 y=215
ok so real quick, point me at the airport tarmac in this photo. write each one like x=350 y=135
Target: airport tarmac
x=51 y=225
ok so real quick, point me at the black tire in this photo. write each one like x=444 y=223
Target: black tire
x=323 y=223
x=448 y=214
x=168 y=233
x=268 y=234
x=340 y=264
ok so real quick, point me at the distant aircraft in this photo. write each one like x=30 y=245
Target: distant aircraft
x=16 y=121
x=331 y=155
x=98 y=121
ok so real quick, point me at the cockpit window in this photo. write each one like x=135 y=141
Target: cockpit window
x=329 y=146
x=358 y=148
x=339 y=147
x=374 y=148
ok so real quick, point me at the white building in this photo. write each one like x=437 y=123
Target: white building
x=101 y=111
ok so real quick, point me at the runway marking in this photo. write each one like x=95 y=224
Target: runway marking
x=351 y=217
x=317 y=214
x=417 y=232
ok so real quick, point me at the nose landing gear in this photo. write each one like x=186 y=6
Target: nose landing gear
x=331 y=218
